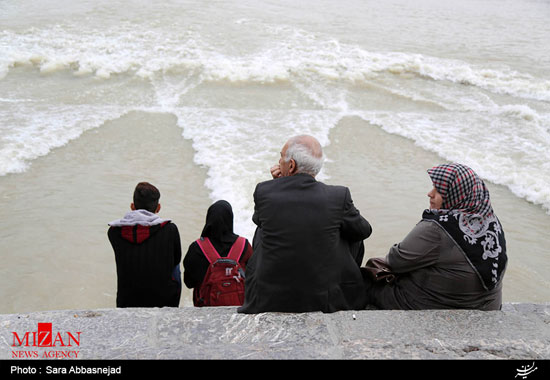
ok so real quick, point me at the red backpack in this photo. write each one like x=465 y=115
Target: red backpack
x=223 y=284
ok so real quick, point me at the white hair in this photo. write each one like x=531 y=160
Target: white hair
x=308 y=157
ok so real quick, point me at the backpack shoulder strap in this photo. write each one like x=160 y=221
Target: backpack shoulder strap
x=208 y=249
x=237 y=249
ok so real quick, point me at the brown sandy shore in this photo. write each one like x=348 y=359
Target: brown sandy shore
x=518 y=331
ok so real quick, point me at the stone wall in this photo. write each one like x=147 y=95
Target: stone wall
x=518 y=331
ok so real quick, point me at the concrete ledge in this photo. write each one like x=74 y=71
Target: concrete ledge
x=518 y=331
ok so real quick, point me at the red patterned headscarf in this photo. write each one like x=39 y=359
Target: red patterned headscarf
x=462 y=190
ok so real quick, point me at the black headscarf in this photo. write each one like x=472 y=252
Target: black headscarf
x=219 y=229
x=219 y=224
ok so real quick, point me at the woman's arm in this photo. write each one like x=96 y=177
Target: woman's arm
x=420 y=248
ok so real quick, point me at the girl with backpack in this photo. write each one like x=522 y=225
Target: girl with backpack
x=214 y=266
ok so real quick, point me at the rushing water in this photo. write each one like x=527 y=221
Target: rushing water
x=198 y=98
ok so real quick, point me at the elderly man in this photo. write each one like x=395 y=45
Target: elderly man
x=308 y=244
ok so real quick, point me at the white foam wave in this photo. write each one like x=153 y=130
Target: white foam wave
x=239 y=146
x=45 y=129
x=520 y=161
x=503 y=81
x=291 y=53
x=506 y=143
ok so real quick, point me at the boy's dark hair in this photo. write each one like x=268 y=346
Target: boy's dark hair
x=146 y=197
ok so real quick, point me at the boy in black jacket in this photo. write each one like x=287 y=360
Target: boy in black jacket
x=147 y=253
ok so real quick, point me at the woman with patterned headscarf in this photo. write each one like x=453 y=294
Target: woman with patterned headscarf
x=455 y=257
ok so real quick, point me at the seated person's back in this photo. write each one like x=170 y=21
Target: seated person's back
x=308 y=242
x=147 y=253
x=218 y=229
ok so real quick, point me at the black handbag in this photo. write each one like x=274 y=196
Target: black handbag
x=376 y=269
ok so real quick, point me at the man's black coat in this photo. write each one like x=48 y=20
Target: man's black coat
x=308 y=248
